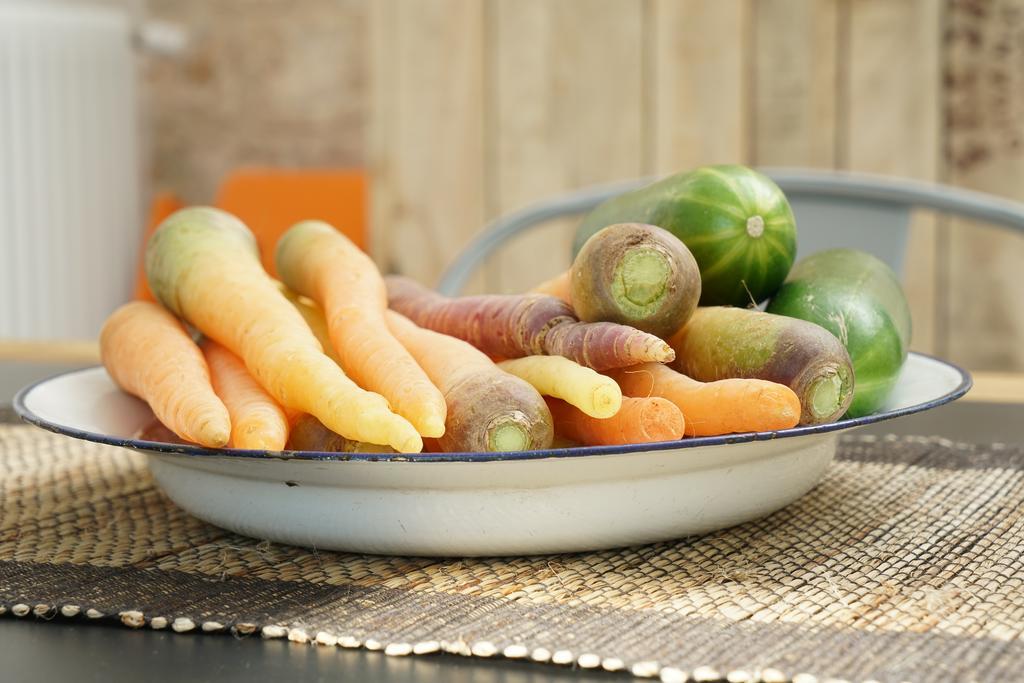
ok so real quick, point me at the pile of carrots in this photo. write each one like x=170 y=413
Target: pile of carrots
x=336 y=357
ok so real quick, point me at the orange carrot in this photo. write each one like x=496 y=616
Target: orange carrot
x=149 y=354
x=319 y=262
x=257 y=421
x=560 y=287
x=639 y=420
x=712 y=408
x=517 y=325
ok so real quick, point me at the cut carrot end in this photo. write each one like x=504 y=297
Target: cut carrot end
x=607 y=401
x=510 y=435
x=666 y=416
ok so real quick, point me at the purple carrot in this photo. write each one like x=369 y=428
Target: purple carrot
x=516 y=325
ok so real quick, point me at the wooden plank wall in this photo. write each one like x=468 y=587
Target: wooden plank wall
x=890 y=100
x=482 y=107
x=551 y=97
x=269 y=83
x=983 y=300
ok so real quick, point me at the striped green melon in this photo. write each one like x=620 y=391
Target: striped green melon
x=736 y=222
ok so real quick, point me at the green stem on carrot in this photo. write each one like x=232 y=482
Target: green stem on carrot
x=507 y=434
x=826 y=395
x=640 y=280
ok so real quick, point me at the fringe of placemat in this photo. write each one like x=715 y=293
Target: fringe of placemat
x=483 y=649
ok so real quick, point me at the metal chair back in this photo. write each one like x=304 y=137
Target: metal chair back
x=832 y=209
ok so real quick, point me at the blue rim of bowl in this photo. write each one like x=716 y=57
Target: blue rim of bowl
x=572 y=452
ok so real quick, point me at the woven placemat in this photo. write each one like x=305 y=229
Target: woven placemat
x=905 y=564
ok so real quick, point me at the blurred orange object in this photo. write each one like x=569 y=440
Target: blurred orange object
x=270 y=201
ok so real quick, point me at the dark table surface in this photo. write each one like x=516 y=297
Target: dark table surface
x=61 y=650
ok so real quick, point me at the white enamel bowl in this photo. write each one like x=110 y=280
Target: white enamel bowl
x=478 y=503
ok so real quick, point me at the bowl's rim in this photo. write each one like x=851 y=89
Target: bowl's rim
x=29 y=416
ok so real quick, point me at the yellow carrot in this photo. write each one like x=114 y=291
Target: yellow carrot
x=257 y=421
x=319 y=262
x=593 y=393
x=712 y=408
x=149 y=354
x=314 y=317
x=203 y=264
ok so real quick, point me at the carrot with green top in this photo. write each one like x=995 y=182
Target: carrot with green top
x=720 y=342
x=513 y=326
x=488 y=410
x=639 y=420
x=634 y=274
x=257 y=421
x=593 y=393
x=203 y=265
x=319 y=262
x=149 y=354
x=727 y=406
